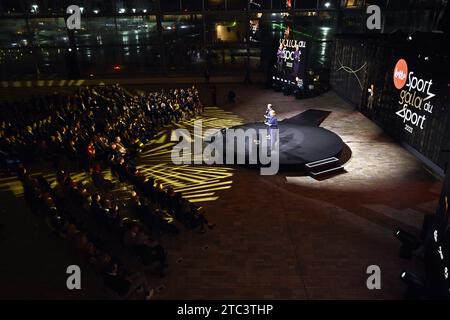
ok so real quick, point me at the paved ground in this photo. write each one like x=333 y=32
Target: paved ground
x=285 y=237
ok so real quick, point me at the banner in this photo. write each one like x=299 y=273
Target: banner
x=420 y=104
x=416 y=97
x=290 y=68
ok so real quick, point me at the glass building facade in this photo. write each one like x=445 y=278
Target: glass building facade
x=146 y=37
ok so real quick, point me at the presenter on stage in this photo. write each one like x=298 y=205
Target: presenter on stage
x=268 y=109
x=272 y=122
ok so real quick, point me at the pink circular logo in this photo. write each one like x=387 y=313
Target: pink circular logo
x=400 y=73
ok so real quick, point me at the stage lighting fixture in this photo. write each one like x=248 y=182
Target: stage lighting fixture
x=409 y=243
x=415 y=285
x=441 y=254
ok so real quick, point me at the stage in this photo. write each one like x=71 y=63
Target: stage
x=299 y=145
x=301 y=140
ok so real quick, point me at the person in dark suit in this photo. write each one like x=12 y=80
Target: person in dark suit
x=280 y=58
x=272 y=122
x=296 y=62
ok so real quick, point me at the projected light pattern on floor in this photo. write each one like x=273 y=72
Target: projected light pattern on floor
x=42 y=83
x=198 y=183
x=13 y=184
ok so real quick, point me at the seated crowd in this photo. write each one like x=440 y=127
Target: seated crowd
x=102 y=127
x=75 y=124
x=45 y=202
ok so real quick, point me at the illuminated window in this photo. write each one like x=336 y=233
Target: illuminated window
x=186 y=28
x=92 y=6
x=137 y=30
x=137 y=6
x=353 y=3
x=49 y=31
x=230 y=31
x=13 y=33
x=97 y=31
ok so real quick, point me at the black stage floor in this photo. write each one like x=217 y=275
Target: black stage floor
x=302 y=144
x=301 y=140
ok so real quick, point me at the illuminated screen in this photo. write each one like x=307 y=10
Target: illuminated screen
x=416 y=108
x=290 y=67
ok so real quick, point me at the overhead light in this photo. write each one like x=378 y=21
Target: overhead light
x=327 y=4
x=96 y=11
x=409 y=38
x=409 y=243
x=122 y=10
x=133 y=10
x=411 y=278
x=144 y=11
x=81 y=9
x=415 y=284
